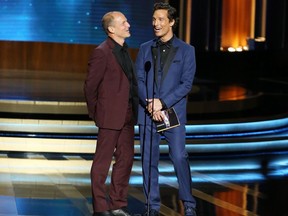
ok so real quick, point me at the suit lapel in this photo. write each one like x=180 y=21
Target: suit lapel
x=155 y=57
x=117 y=55
x=169 y=61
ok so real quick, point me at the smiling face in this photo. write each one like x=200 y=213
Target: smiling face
x=162 y=26
x=119 y=28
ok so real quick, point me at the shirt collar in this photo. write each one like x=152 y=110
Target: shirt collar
x=118 y=47
x=168 y=44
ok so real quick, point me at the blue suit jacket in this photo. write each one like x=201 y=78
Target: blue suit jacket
x=177 y=78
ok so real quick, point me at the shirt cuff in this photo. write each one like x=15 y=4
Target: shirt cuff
x=163 y=104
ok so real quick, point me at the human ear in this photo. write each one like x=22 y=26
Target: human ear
x=110 y=29
x=172 y=23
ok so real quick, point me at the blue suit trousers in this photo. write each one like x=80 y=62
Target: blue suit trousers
x=175 y=138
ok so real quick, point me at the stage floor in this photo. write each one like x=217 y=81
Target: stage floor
x=44 y=168
x=35 y=184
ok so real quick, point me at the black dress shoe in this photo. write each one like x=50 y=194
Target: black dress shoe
x=120 y=212
x=152 y=212
x=105 y=213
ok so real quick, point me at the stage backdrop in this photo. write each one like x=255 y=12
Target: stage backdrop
x=71 y=21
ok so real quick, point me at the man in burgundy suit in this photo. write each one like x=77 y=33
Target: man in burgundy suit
x=111 y=94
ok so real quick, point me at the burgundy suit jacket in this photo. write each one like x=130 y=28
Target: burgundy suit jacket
x=107 y=87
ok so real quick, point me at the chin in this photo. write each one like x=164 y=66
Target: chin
x=158 y=34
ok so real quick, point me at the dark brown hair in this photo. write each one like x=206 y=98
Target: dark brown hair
x=172 y=12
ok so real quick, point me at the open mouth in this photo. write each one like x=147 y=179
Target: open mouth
x=157 y=29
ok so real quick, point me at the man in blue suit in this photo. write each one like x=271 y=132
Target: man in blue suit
x=165 y=70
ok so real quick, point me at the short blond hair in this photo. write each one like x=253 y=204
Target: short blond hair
x=107 y=20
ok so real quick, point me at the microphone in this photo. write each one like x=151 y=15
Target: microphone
x=147 y=66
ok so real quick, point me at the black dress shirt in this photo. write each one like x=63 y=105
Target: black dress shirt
x=164 y=51
x=126 y=63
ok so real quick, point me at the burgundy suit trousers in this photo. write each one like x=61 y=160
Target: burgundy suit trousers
x=114 y=147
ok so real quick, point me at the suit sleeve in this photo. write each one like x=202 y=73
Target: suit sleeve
x=141 y=77
x=96 y=69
